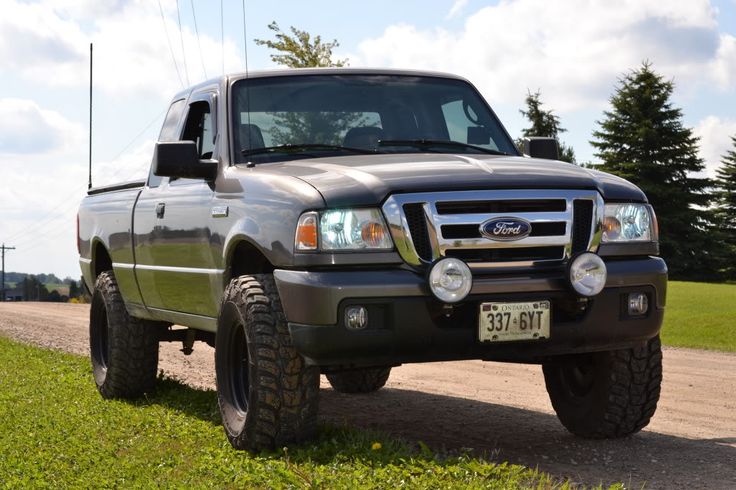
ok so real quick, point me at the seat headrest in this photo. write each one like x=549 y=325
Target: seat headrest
x=250 y=137
x=363 y=137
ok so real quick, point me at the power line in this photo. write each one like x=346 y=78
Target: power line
x=168 y=40
x=181 y=40
x=196 y=30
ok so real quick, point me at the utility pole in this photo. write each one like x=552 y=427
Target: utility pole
x=2 y=290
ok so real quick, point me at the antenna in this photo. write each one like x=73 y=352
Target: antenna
x=89 y=182
x=247 y=76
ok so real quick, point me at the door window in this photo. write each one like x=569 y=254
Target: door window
x=168 y=133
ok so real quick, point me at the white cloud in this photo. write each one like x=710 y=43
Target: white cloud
x=715 y=140
x=132 y=165
x=132 y=55
x=573 y=51
x=724 y=66
x=26 y=128
x=457 y=7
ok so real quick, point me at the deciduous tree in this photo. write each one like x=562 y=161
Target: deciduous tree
x=299 y=49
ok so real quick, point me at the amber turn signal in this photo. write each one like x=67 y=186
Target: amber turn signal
x=373 y=234
x=306 y=232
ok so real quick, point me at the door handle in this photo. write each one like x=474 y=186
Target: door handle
x=160 y=209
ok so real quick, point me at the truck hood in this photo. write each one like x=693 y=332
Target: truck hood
x=365 y=180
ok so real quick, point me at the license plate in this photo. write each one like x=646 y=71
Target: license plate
x=503 y=322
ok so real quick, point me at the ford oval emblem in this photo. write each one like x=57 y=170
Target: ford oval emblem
x=505 y=229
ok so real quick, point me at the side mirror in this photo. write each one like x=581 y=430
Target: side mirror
x=540 y=147
x=181 y=159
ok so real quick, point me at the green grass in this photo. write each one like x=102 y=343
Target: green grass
x=56 y=432
x=701 y=316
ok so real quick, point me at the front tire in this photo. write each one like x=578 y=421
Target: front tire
x=606 y=395
x=267 y=395
x=123 y=349
x=366 y=380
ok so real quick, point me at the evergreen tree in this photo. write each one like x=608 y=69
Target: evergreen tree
x=726 y=209
x=73 y=289
x=300 y=50
x=544 y=123
x=643 y=140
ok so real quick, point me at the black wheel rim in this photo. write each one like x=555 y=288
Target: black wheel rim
x=238 y=367
x=579 y=376
x=98 y=335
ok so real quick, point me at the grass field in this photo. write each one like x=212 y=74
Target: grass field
x=56 y=432
x=700 y=315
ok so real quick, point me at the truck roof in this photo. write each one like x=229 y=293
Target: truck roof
x=286 y=72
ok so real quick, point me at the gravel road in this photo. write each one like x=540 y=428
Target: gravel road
x=497 y=410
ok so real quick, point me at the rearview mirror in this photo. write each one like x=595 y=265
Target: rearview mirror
x=541 y=147
x=181 y=159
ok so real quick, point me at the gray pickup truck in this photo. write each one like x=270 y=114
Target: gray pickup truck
x=346 y=221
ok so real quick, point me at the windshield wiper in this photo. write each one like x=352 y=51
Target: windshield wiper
x=303 y=148
x=425 y=144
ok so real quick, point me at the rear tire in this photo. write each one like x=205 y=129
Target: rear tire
x=606 y=395
x=366 y=380
x=267 y=395
x=123 y=349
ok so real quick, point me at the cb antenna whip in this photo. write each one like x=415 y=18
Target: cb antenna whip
x=89 y=182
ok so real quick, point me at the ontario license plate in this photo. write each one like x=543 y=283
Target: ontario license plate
x=504 y=322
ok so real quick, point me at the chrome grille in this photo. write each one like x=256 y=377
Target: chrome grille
x=428 y=226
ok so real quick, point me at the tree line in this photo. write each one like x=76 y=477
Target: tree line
x=30 y=287
x=641 y=138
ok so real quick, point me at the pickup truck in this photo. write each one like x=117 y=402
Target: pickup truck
x=346 y=221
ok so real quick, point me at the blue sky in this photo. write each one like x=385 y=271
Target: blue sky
x=571 y=50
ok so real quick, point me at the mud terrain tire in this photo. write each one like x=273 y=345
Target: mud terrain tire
x=123 y=349
x=606 y=394
x=268 y=397
x=359 y=380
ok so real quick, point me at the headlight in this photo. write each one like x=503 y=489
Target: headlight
x=345 y=229
x=629 y=223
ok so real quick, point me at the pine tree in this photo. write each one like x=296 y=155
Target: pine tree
x=642 y=139
x=544 y=123
x=726 y=209
x=300 y=50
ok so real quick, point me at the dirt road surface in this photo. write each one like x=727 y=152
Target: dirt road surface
x=497 y=410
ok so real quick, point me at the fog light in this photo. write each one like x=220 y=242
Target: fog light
x=638 y=304
x=356 y=317
x=450 y=280
x=588 y=274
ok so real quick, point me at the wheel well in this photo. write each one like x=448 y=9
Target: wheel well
x=247 y=259
x=102 y=261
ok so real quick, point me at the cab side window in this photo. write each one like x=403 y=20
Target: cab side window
x=199 y=128
x=168 y=133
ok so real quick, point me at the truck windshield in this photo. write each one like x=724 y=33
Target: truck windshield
x=307 y=116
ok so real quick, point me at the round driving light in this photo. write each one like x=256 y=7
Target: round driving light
x=450 y=280
x=356 y=317
x=587 y=274
x=638 y=304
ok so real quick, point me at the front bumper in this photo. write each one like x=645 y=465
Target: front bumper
x=407 y=324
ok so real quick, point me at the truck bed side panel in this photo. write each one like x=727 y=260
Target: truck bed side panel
x=106 y=219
